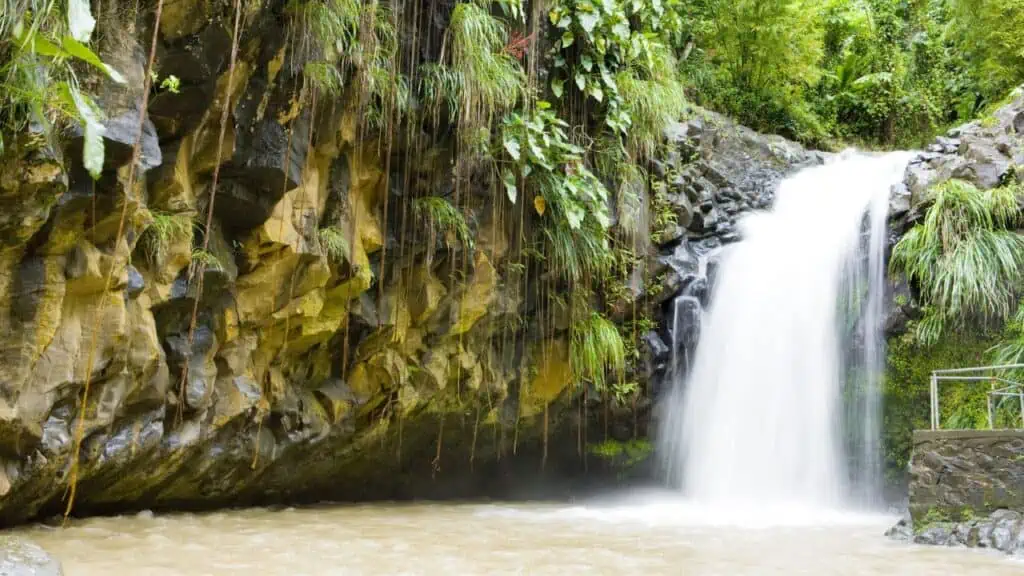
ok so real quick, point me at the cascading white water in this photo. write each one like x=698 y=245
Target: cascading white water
x=760 y=415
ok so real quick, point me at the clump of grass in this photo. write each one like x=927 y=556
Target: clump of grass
x=334 y=244
x=206 y=259
x=165 y=229
x=1011 y=350
x=965 y=256
x=444 y=219
x=577 y=253
x=653 y=97
x=596 y=348
x=489 y=79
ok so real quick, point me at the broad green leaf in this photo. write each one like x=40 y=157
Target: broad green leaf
x=567 y=39
x=512 y=147
x=80 y=20
x=581 y=81
x=92 y=149
x=596 y=91
x=82 y=52
x=587 y=61
x=558 y=86
x=564 y=21
x=41 y=45
x=588 y=20
x=509 y=179
x=621 y=30
x=575 y=214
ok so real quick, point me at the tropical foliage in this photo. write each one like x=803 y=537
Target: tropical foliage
x=889 y=72
x=966 y=258
x=40 y=43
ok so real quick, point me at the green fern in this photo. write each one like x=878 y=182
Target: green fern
x=163 y=230
x=596 y=348
x=443 y=218
x=576 y=253
x=334 y=243
x=653 y=96
x=206 y=259
x=965 y=256
x=489 y=79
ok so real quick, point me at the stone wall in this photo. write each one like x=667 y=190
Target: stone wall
x=966 y=489
x=961 y=473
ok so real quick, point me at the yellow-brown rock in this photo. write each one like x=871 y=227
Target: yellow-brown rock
x=477 y=297
x=554 y=374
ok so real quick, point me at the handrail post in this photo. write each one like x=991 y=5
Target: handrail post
x=935 y=401
x=991 y=407
x=991 y=419
x=1020 y=395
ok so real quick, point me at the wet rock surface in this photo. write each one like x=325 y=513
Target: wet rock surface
x=20 y=557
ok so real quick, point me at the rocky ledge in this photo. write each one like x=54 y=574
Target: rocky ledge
x=1003 y=530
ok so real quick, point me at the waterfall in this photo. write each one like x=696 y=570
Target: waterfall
x=782 y=401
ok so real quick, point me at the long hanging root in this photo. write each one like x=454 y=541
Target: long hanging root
x=398 y=450
x=604 y=399
x=94 y=340
x=579 y=430
x=544 y=452
x=515 y=435
x=472 y=448
x=201 y=267
x=435 y=465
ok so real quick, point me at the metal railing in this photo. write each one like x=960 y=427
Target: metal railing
x=1007 y=388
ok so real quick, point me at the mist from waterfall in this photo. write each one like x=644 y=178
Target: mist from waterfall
x=782 y=402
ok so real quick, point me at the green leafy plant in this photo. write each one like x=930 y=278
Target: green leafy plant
x=39 y=42
x=1011 y=349
x=333 y=243
x=444 y=219
x=571 y=201
x=966 y=257
x=489 y=79
x=596 y=348
x=163 y=230
x=206 y=259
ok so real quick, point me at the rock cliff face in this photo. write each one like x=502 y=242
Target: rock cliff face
x=317 y=338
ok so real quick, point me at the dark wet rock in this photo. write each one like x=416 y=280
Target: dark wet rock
x=900 y=308
x=902 y=530
x=119 y=140
x=933 y=535
x=656 y=351
x=196 y=60
x=136 y=283
x=20 y=557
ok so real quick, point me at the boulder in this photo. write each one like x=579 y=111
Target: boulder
x=21 y=557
